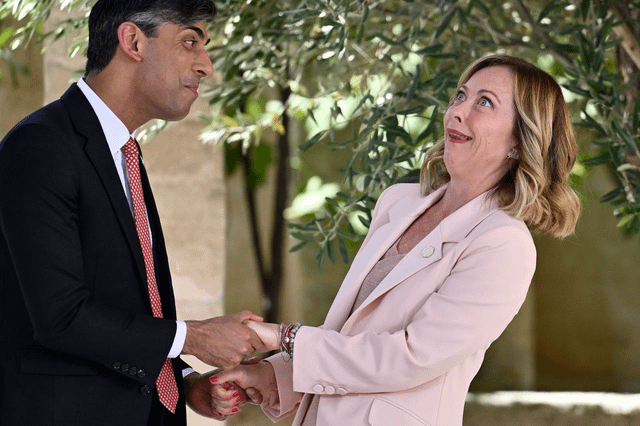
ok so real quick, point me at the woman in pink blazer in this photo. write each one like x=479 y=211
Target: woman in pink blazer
x=444 y=268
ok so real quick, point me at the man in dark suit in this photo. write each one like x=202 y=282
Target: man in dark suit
x=88 y=330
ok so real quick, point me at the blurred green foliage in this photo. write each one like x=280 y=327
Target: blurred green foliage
x=389 y=67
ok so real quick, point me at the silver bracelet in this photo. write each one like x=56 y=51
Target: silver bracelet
x=287 y=335
x=292 y=339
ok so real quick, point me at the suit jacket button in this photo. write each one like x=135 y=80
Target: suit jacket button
x=318 y=388
x=125 y=367
x=117 y=365
x=141 y=373
x=145 y=390
x=341 y=391
x=133 y=371
x=329 y=390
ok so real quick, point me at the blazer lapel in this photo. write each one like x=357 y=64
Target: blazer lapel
x=97 y=149
x=401 y=216
x=452 y=229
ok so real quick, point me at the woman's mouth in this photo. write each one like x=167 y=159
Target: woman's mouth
x=457 y=137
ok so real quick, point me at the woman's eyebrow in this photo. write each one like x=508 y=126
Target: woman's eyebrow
x=466 y=89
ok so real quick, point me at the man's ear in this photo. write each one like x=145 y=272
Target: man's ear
x=131 y=40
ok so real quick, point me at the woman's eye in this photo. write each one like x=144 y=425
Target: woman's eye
x=460 y=96
x=485 y=102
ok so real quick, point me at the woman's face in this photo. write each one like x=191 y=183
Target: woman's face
x=479 y=127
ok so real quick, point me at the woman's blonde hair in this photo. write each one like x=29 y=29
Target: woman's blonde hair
x=536 y=189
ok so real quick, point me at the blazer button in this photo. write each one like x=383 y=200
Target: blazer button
x=125 y=367
x=428 y=252
x=329 y=390
x=141 y=373
x=117 y=365
x=341 y=391
x=318 y=388
x=133 y=371
x=145 y=390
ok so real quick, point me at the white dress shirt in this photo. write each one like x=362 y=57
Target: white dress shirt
x=117 y=136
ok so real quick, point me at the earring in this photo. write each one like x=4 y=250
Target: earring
x=513 y=155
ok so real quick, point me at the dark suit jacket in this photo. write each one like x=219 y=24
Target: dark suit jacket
x=78 y=341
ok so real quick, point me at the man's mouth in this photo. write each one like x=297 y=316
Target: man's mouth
x=194 y=89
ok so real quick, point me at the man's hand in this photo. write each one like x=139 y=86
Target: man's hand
x=258 y=381
x=209 y=400
x=223 y=341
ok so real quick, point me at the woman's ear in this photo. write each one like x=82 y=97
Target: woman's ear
x=131 y=40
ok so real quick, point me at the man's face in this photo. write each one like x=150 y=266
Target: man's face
x=173 y=63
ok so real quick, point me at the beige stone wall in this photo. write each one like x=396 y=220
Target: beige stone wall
x=21 y=94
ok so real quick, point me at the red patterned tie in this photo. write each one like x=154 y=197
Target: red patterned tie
x=166 y=382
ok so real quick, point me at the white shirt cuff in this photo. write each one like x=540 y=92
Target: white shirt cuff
x=178 y=341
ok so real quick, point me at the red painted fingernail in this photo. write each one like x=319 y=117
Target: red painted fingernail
x=235 y=410
x=235 y=394
x=239 y=399
x=213 y=379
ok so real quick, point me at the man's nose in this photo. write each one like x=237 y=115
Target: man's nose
x=204 y=66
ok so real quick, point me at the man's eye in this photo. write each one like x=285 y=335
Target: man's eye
x=190 y=42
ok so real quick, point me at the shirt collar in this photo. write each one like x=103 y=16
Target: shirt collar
x=114 y=130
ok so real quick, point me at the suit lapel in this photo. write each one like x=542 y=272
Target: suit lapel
x=401 y=215
x=97 y=149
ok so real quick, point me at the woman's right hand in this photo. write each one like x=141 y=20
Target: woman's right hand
x=267 y=332
x=258 y=381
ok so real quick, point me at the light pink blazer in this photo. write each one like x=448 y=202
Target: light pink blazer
x=407 y=355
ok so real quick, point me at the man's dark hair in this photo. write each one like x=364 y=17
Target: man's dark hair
x=107 y=15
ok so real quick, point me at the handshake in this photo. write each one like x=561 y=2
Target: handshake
x=225 y=342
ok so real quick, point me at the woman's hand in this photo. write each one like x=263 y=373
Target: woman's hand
x=211 y=400
x=258 y=381
x=267 y=332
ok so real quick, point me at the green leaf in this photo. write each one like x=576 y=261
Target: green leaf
x=331 y=251
x=584 y=9
x=479 y=5
x=365 y=222
x=598 y=159
x=432 y=49
x=308 y=143
x=320 y=257
x=332 y=201
x=302 y=237
x=625 y=220
x=361 y=28
x=399 y=132
x=6 y=35
x=298 y=246
x=414 y=110
x=342 y=248
x=415 y=81
x=444 y=22
x=623 y=134
x=550 y=7
x=612 y=195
